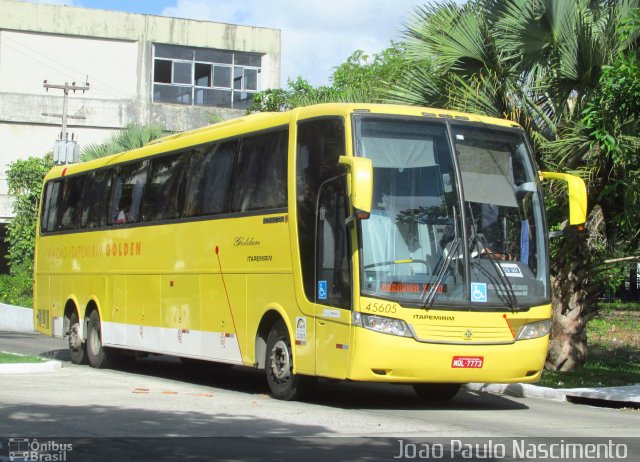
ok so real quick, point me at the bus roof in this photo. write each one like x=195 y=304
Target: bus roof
x=264 y=121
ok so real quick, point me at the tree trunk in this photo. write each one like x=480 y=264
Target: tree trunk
x=633 y=282
x=572 y=299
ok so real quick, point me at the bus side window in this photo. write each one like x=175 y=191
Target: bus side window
x=73 y=189
x=333 y=270
x=261 y=178
x=127 y=193
x=97 y=198
x=162 y=199
x=320 y=144
x=50 y=208
x=209 y=179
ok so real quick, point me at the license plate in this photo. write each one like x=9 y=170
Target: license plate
x=467 y=362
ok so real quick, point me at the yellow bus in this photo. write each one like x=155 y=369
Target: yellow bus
x=361 y=242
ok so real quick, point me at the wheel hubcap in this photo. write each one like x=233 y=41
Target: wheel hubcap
x=95 y=341
x=280 y=361
x=74 y=338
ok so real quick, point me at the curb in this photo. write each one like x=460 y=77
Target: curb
x=629 y=394
x=521 y=390
x=30 y=368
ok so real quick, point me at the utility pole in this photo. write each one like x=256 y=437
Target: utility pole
x=64 y=150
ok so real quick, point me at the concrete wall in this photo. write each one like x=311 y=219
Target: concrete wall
x=16 y=318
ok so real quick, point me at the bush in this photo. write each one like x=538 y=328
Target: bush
x=24 y=178
x=16 y=288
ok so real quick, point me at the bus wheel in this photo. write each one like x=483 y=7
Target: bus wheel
x=77 y=349
x=437 y=391
x=95 y=351
x=283 y=383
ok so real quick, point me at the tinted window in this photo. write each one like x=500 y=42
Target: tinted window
x=320 y=143
x=261 y=179
x=50 y=209
x=72 y=209
x=334 y=273
x=127 y=193
x=210 y=179
x=163 y=196
x=97 y=198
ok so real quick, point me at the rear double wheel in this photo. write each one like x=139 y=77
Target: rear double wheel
x=283 y=383
x=77 y=348
x=97 y=354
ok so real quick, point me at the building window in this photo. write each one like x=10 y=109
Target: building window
x=205 y=77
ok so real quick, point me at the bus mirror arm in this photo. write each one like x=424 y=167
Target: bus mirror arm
x=577 y=196
x=360 y=185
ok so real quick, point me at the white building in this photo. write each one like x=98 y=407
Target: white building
x=141 y=69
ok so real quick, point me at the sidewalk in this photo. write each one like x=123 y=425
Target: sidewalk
x=613 y=395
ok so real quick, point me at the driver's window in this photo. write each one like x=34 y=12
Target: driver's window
x=333 y=281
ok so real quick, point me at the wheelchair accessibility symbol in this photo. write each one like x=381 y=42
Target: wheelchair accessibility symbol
x=322 y=290
x=479 y=292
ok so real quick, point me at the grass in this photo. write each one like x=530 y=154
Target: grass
x=614 y=351
x=12 y=358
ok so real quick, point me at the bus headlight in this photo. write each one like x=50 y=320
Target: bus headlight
x=534 y=330
x=381 y=324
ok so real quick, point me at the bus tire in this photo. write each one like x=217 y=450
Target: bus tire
x=95 y=351
x=77 y=348
x=283 y=383
x=437 y=391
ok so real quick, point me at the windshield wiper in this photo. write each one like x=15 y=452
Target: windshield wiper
x=508 y=294
x=427 y=298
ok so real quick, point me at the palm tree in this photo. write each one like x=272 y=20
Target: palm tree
x=132 y=137
x=541 y=63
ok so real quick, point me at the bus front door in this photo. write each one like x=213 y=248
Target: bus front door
x=333 y=282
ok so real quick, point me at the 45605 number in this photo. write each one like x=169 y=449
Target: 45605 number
x=378 y=307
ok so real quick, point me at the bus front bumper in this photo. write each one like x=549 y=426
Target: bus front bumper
x=378 y=357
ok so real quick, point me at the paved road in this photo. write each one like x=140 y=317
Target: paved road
x=158 y=398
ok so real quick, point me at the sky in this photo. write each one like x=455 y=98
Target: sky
x=317 y=35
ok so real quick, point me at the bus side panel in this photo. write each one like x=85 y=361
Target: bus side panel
x=42 y=306
x=143 y=310
x=180 y=301
x=56 y=301
x=275 y=292
x=116 y=312
x=236 y=288
x=215 y=319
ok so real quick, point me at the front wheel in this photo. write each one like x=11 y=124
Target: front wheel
x=95 y=351
x=283 y=383
x=77 y=348
x=437 y=391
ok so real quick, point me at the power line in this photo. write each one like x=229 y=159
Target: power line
x=54 y=65
x=65 y=150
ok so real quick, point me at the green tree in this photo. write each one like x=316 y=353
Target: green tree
x=361 y=78
x=132 y=137
x=24 y=178
x=566 y=71
x=370 y=74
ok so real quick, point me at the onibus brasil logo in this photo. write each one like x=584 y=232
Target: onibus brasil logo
x=27 y=449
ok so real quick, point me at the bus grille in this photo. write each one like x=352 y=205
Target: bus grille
x=430 y=332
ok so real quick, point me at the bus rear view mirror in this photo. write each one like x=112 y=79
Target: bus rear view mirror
x=360 y=182
x=577 y=196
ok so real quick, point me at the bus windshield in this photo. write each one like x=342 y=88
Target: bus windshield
x=464 y=231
